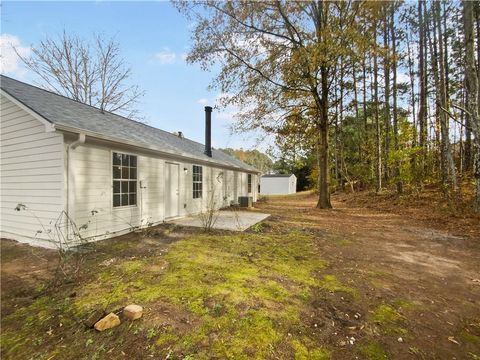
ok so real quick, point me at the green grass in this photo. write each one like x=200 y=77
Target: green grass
x=332 y=284
x=390 y=320
x=342 y=242
x=373 y=350
x=315 y=353
x=385 y=314
x=243 y=294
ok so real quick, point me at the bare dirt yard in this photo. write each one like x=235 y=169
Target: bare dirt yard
x=380 y=279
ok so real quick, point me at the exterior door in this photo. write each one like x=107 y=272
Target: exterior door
x=171 y=189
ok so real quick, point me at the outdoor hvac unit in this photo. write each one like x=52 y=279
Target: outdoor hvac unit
x=245 y=201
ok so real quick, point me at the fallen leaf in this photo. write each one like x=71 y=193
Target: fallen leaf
x=452 y=339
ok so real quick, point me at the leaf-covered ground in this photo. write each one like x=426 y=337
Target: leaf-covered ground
x=306 y=284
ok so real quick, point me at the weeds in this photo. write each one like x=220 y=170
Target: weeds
x=64 y=235
x=209 y=216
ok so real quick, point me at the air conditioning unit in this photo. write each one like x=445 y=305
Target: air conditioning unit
x=245 y=201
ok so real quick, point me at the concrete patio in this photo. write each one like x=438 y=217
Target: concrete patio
x=226 y=220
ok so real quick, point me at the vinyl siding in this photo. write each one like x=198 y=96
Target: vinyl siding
x=31 y=173
x=278 y=185
x=90 y=184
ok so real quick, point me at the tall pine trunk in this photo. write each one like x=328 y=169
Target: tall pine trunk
x=411 y=72
x=322 y=145
x=386 y=119
x=378 y=134
x=340 y=155
x=398 y=179
x=357 y=113
x=471 y=82
x=422 y=78
x=448 y=170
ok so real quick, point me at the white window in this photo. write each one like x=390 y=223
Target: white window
x=249 y=183
x=124 y=180
x=197 y=181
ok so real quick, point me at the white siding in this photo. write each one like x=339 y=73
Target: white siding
x=278 y=185
x=90 y=183
x=31 y=173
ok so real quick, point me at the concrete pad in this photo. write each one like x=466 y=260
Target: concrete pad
x=226 y=220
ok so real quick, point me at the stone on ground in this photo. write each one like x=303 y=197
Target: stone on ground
x=133 y=312
x=92 y=318
x=108 y=322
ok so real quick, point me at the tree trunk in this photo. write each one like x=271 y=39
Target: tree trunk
x=477 y=13
x=341 y=179
x=422 y=110
x=357 y=119
x=414 y=160
x=398 y=179
x=378 y=142
x=386 y=69
x=322 y=161
x=445 y=53
x=365 y=96
x=412 y=89
x=471 y=82
x=468 y=135
x=322 y=158
x=335 y=137
x=448 y=170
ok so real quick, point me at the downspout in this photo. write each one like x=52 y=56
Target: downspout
x=80 y=140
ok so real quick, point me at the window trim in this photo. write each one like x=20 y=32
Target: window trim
x=197 y=182
x=112 y=179
x=249 y=183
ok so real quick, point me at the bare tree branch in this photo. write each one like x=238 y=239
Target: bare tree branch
x=92 y=73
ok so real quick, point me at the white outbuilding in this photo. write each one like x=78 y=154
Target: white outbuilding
x=71 y=171
x=278 y=184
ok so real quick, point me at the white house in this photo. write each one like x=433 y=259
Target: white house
x=278 y=184
x=68 y=168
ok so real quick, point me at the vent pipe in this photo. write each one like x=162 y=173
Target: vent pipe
x=208 y=131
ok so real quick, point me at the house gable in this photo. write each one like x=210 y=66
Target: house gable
x=31 y=170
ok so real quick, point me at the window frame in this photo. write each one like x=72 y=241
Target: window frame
x=129 y=180
x=249 y=183
x=197 y=185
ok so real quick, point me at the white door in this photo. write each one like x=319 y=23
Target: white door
x=171 y=189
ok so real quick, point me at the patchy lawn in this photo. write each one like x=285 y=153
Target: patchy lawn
x=306 y=284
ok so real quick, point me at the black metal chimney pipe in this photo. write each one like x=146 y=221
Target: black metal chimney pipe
x=208 y=131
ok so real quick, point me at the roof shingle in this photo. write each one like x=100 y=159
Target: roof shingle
x=61 y=110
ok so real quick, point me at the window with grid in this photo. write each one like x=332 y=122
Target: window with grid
x=197 y=182
x=124 y=180
x=249 y=182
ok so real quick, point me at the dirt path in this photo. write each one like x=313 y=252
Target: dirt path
x=393 y=259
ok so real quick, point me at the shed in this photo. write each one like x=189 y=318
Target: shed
x=70 y=170
x=278 y=184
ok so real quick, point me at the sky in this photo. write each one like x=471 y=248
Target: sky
x=154 y=38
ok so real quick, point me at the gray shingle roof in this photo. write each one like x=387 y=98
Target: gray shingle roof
x=61 y=110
